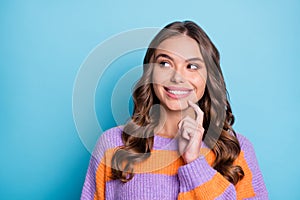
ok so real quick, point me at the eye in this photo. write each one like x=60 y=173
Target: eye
x=193 y=66
x=164 y=64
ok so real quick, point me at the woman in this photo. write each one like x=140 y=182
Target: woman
x=180 y=143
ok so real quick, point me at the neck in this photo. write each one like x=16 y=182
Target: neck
x=169 y=120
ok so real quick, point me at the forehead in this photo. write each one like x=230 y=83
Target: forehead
x=182 y=46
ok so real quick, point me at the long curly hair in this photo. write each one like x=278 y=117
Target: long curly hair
x=138 y=134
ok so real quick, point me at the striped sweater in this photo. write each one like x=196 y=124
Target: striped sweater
x=165 y=176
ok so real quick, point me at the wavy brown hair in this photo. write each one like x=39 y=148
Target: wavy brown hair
x=138 y=134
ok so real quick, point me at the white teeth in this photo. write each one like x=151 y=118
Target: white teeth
x=178 y=92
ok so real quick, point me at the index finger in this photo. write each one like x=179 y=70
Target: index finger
x=198 y=111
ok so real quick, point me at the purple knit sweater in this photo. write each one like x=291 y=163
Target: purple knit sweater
x=165 y=176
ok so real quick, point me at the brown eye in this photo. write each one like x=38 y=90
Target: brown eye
x=164 y=64
x=193 y=66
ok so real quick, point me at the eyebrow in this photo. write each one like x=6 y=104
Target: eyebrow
x=169 y=57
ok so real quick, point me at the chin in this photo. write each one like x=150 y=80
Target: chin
x=177 y=107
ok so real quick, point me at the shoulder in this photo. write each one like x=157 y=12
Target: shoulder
x=113 y=135
x=247 y=151
x=245 y=143
x=109 y=139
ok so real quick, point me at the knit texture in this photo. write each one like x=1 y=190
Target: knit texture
x=165 y=175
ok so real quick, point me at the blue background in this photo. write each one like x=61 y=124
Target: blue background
x=43 y=44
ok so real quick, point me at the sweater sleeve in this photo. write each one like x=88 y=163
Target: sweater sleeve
x=89 y=190
x=94 y=184
x=98 y=172
x=198 y=180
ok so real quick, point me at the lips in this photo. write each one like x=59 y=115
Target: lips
x=177 y=92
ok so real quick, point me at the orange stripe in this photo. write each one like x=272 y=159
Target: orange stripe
x=210 y=157
x=244 y=187
x=160 y=162
x=163 y=162
x=167 y=162
x=100 y=182
x=209 y=190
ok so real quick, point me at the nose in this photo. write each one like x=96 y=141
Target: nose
x=176 y=77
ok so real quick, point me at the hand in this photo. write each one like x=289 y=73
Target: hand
x=190 y=135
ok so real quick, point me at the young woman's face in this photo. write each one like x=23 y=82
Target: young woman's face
x=179 y=73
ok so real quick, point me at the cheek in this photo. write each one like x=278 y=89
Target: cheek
x=159 y=76
x=158 y=92
x=156 y=89
x=157 y=82
x=200 y=84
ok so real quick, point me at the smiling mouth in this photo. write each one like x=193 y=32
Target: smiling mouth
x=177 y=92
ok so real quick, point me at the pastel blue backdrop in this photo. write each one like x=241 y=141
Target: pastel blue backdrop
x=44 y=43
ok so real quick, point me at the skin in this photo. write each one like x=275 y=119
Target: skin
x=180 y=66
